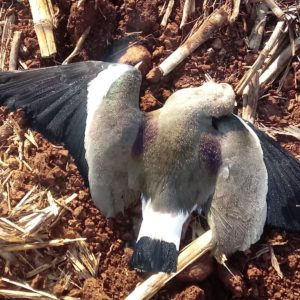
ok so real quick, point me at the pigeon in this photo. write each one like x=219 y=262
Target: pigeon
x=191 y=154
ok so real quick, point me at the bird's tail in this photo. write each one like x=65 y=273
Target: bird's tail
x=157 y=246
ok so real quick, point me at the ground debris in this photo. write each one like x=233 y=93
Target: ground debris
x=37 y=177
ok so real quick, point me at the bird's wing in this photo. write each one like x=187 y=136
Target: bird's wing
x=55 y=102
x=237 y=210
x=283 y=197
x=92 y=107
x=258 y=183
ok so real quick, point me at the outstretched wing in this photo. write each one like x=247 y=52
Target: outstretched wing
x=283 y=197
x=111 y=131
x=237 y=212
x=55 y=101
x=93 y=108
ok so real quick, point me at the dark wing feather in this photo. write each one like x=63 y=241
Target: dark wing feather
x=55 y=100
x=283 y=184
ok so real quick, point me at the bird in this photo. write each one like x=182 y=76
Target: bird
x=192 y=153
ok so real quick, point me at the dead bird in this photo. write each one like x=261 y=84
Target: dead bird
x=192 y=153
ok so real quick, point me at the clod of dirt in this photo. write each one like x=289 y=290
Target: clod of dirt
x=93 y=290
x=141 y=15
x=148 y=102
x=136 y=54
x=289 y=82
x=58 y=290
x=294 y=262
x=254 y=274
x=79 y=213
x=154 y=75
x=232 y=280
x=158 y=52
x=217 y=44
x=192 y=293
x=37 y=282
x=101 y=17
x=170 y=37
x=296 y=113
x=198 y=271
x=5 y=132
x=250 y=58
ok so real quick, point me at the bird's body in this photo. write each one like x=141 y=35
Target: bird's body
x=192 y=153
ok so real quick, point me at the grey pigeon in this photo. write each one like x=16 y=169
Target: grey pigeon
x=192 y=153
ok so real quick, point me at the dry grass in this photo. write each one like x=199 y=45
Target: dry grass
x=25 y=227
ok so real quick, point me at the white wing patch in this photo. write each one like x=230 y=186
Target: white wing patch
x=252 y=133
x=99 y=87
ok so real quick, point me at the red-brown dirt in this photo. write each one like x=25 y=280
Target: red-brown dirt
x=225 y=58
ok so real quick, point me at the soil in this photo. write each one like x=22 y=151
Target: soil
x=225 y=58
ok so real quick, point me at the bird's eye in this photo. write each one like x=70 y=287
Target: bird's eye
x=214 y=123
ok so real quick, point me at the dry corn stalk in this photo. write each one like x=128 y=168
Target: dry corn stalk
x=83 y=260
x=5 y=38
x=29 y=293
x=167 y=13
x=218 y=18
x=14 y=52
x=250 y=98
x=235 y=11
x=275 y=9
x=78 y=46
x=259 y=27
x=43 y=25
x=275 y=263
x=39 y=245
x=278 y=64
x=188 y=9
x=261 y=58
